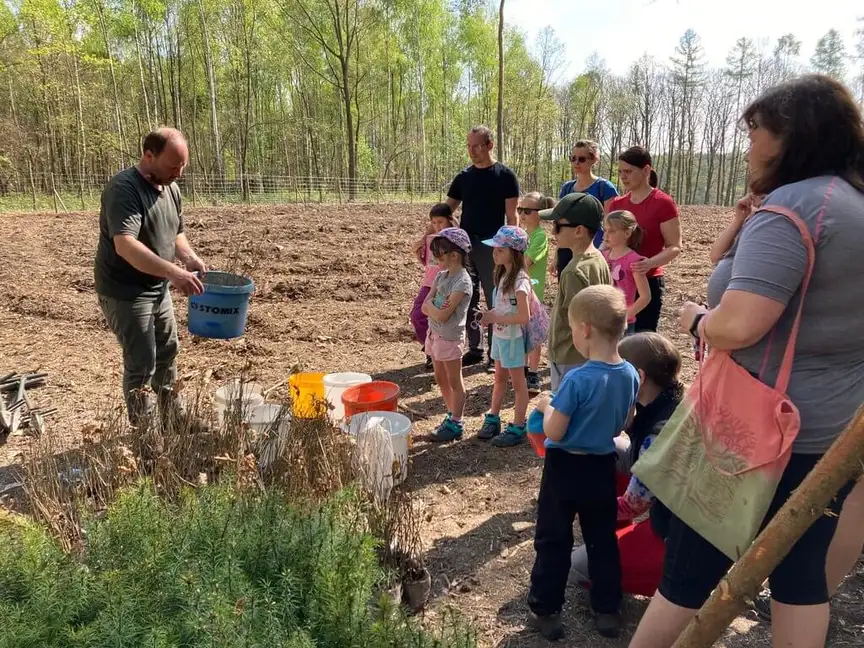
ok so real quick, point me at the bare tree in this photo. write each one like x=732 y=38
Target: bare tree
x=501 y=79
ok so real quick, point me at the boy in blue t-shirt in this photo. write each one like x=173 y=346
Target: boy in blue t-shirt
x=580 y=422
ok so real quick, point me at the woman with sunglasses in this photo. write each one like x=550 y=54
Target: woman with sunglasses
x=657 y=216
x=584 y=155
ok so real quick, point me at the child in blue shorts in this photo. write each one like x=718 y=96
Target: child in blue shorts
x=508 y=318
x=589 y=409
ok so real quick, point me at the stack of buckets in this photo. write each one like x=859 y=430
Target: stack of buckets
x=347 y=395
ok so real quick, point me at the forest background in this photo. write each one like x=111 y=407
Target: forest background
x=316 y=99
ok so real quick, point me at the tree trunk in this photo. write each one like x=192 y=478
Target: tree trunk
x=500 y=133
x=141 y=65
x=100 y=10
x=211 y=86
x=842 y=463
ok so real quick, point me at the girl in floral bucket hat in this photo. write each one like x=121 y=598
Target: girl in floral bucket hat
x=446 y=306
x=509 y=319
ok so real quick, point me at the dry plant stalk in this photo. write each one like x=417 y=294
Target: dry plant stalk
x=307 y=459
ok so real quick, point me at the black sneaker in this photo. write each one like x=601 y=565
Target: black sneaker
x=533 y=380
x=549 y=626
x=608 y=625
x=429 y=366
x=490 y=365
x=473 y=357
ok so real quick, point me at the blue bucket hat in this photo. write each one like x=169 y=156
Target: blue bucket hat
x=457 y=236
x=509 y=236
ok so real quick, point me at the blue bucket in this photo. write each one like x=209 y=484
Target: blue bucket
x=220 y=311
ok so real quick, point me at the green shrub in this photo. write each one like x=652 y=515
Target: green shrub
x=216 y=568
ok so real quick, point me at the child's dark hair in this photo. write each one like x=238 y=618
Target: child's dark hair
x=441 y=246
x=443 y=210
x=510 y=277
x=656 y=356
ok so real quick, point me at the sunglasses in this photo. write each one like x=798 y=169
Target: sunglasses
x=557 y=227
x=525 y=210
x=581 y=159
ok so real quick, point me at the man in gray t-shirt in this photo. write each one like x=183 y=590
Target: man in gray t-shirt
x=140 y=237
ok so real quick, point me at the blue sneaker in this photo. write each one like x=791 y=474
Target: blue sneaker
x=447 y=431
x=442 y=423
x=513 y=436
x=491 y=427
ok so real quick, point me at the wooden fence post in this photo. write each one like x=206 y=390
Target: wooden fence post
x=842 y=463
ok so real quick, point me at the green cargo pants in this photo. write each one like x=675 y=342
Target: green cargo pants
x=147 y=332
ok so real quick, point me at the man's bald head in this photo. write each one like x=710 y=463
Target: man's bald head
x=164 y=155
x=156 y=140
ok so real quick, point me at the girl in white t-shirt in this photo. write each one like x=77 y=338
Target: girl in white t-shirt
x=509 y=319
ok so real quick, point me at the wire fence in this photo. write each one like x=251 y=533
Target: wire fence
x=64 y=193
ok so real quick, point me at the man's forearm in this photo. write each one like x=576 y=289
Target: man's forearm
x=140 y=257
x=183 y=250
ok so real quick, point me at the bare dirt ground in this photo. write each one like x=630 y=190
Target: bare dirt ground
x=334 y=287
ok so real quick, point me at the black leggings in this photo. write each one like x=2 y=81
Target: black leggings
x=649 y=317
x=693 y=566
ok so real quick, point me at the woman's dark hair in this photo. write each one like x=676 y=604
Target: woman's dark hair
x=638 y=156
x=510 y=278
x=656 y=356
x=820 y=131
x=443 y=210
x=441 y=246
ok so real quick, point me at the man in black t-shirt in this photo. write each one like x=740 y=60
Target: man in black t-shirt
x=140 y=237
x=489 y=193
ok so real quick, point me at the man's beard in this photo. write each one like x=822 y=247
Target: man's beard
x=155 y=179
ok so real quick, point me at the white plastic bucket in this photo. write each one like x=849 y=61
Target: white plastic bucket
x=227 y=395
x=262 y=419
x=399 y=426
x=335 y=385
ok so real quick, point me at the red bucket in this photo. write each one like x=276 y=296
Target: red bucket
x=376 y=396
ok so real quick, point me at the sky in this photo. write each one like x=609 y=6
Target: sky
x=621 y=31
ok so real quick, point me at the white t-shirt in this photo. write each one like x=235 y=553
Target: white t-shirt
x=505 y=304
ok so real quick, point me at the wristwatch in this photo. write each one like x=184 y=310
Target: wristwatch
x=694 y=327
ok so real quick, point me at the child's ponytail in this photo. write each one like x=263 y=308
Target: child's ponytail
x=634 y=241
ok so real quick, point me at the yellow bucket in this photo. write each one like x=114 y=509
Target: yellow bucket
x=307 y=394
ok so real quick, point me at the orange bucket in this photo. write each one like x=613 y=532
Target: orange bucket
x=376 y=396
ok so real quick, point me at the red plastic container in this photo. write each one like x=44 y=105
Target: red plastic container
x=538 y=442
x=376 y=396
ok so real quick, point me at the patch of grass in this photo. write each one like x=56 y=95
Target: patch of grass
x=215 y=567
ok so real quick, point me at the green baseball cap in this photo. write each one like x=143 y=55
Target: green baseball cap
x=578 y=209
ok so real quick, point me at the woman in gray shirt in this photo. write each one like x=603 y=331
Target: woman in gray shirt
x=806 y=155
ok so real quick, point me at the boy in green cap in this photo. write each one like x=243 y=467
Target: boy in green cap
x=576 y=219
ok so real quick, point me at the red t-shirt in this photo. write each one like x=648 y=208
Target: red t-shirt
x=657 y=208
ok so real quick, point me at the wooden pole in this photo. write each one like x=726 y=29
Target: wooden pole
x=842 y=463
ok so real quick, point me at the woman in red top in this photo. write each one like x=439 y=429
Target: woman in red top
x=657 y=215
